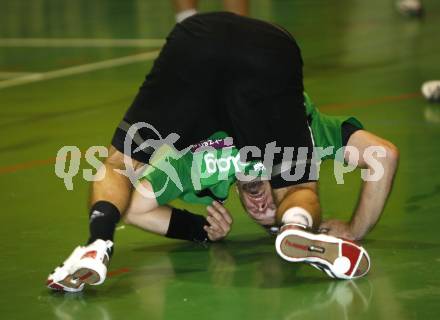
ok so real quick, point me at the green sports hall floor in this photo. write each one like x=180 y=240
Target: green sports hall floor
x=361 y=58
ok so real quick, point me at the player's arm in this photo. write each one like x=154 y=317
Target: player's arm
x=374 y=194
x=145 y=213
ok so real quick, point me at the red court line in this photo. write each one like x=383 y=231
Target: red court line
x=364 y=103
x=26 y=165
x=370 y=102
x=29 y=164
x=117 y=272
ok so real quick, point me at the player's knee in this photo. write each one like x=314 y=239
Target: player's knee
x=131 y=215
x=127 y=218
x=118 y=160
x=115 y=158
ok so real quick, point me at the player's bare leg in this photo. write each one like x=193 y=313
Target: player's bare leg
x=184 y=9
x=109 y=199
x=115 y=187
x=240 y=7
x=299 y=205
x=145 y=213
x=181 y=5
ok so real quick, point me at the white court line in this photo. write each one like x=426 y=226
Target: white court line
x=79 y=42
x=11 y=74
x=35 y=77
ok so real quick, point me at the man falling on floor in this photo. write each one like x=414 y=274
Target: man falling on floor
x=218 y=72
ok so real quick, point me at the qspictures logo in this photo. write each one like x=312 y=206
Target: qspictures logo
x=215 y=159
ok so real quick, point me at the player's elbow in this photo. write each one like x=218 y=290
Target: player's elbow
x=392 y=155
x=390 y=160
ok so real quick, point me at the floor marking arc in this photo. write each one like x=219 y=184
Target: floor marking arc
x=84 y=68
x=80 y=42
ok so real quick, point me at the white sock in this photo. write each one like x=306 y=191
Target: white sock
x=182 y=15
x=297 y=215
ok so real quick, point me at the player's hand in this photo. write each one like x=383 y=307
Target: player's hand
x=337 y=228
x=220 y=221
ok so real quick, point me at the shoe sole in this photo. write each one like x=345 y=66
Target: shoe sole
x=323 y=250
x=298 y=248
x=63 y=286
x=89 y=271
x=86 y=275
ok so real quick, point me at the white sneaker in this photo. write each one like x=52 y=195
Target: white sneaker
x=91 y=267
x=86 y=264
x=431 y=90
x=61 y=279
x=338 y=258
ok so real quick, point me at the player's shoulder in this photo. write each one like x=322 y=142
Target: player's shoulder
x=310 y=106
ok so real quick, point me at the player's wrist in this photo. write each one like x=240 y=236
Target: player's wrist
x=185 y=225
x=356 y=232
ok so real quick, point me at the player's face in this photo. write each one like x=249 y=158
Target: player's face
x=257 y=200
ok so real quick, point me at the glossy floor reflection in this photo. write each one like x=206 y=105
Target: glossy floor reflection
x=361 y=58
x=229 y=279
